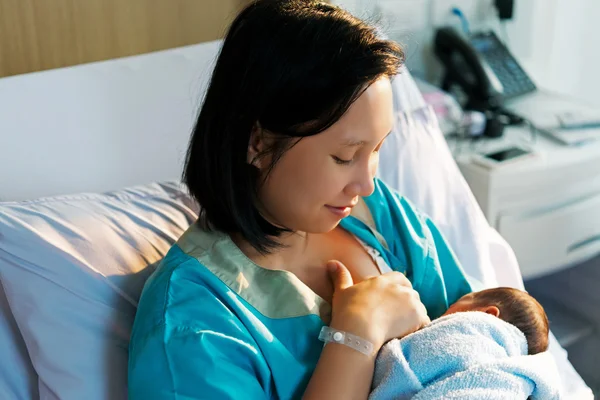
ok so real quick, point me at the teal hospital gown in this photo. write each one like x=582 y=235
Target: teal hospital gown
x=213 y=325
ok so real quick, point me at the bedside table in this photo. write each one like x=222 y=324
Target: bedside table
x=547 y=207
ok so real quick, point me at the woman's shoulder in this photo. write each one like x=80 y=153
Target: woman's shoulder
x=207 y=268
x=188 y=321
x=170 y=290
x=180 y=281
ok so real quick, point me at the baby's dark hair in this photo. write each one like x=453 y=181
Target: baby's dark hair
x=521 y=310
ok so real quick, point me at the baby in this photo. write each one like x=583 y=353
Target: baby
x=488 y=345
x=514 y=306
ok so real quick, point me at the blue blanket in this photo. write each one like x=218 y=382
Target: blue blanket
x=467 y=355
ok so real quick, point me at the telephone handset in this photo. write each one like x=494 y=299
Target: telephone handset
x=482 y=67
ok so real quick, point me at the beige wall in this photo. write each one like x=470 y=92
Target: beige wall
x=43 y=34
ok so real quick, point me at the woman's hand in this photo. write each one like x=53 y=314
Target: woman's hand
x=377 y=309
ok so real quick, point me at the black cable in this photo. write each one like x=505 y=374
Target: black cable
x=513 y=119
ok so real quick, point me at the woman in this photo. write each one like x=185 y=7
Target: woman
x=295 y=233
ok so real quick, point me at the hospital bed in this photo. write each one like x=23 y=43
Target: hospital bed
x=90 y=158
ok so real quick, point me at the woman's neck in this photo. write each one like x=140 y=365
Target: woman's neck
x=291 y=256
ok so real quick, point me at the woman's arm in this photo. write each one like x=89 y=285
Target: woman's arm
x=189 y=363
x=197 y=350
x=377 y=310
x=342 y=373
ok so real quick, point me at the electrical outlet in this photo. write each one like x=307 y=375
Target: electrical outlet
x=476 y=11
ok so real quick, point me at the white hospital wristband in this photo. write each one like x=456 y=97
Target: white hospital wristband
x=330 y=335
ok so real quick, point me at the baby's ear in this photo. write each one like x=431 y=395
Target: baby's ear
x=492 y=310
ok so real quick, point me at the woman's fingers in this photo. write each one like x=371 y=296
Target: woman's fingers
x=339 y=275
x=399 y=278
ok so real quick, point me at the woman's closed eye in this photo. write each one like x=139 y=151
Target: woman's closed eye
x=341 y=161
x=361 y=148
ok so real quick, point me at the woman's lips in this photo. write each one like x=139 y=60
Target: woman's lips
x=340 y=211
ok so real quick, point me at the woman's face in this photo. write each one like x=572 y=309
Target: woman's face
x=316 y=183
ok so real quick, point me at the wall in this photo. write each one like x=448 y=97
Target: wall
x=564 y=36
x=412 y=22
x=555 y=40
x=43 y=34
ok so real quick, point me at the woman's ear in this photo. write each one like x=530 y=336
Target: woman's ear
x=493 y=310
x=256 y=146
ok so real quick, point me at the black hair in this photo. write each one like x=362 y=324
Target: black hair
x=293 y=67
x=521 y=310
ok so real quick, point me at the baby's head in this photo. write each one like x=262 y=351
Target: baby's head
x=513 y=306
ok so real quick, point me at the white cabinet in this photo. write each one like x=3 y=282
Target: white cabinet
x=548 y=240
x=547 y=208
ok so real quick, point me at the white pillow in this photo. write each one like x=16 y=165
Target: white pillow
x=73 y=268
x=413 y=161
x=18 y=379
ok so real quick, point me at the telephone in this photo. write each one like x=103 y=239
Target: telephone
x=483 y=68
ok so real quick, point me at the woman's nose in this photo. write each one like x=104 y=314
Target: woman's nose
x=363 y=184
x=367 y=187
